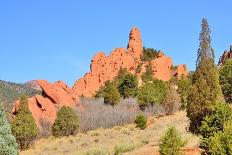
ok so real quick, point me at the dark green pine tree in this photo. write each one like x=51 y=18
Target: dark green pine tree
x=205 y=50
x=205 y=91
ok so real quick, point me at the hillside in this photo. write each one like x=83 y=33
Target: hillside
x=10 y=92
x=128 y=138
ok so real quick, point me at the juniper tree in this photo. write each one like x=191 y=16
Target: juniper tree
x=205 y=50
x=23 y=126
x=205 y=91
x=8 y=144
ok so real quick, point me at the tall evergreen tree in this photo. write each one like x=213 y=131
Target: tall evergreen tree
x=205 y=50
x=8 y=145
x=205 y=91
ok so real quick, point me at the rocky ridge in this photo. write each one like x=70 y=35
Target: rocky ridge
x=102 y=69
x=105 y=68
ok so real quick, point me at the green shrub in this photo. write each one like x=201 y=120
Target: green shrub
x=221 y=142
x=66 y=123
x=111 y=94
x=23 y=126
x=123 y=147
x=214 y=123
x=184 y=86
x=128 y=85
x=8 y=144
x=141 y=121
x=151 y=93
x=171 y=143
x=225 y=80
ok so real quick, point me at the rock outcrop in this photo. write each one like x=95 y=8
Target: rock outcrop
x=104 y=68
x=225 y=56
x=45 y=106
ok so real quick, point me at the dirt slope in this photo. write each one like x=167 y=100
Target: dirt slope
x=131 y=139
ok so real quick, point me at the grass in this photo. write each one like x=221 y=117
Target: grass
x=117 y=140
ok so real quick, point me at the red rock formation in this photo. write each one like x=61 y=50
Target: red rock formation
x=181 y=71
x=226 y=55
x=102 y=69
x=53 y=97
x=105 y=68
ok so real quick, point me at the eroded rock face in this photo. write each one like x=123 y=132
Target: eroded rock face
x=104 y=68
x=225 y=56
x=44 y=107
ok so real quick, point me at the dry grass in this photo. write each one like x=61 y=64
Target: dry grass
x=122 y=139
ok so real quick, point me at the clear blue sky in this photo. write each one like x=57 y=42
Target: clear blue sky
x=56 y=39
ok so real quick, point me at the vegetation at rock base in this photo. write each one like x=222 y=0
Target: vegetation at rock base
x=8 y=144
x=225 y=80
x=151 y=93
x=171 y=142
x=66 y=123
x=205 y=91
x=111 y=94
x=128 y=85
x=148 y=74
x=23 y=126
x=149 y=54
x=141 y=121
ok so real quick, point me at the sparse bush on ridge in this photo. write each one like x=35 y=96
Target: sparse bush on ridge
x=66 y=123
x=149 y=54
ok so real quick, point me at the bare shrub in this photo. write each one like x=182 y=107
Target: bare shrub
x=96 y=114
x=45 y=129
x=156 y=110
x=171 y=103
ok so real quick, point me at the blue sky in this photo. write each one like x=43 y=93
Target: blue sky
x=56 y=39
